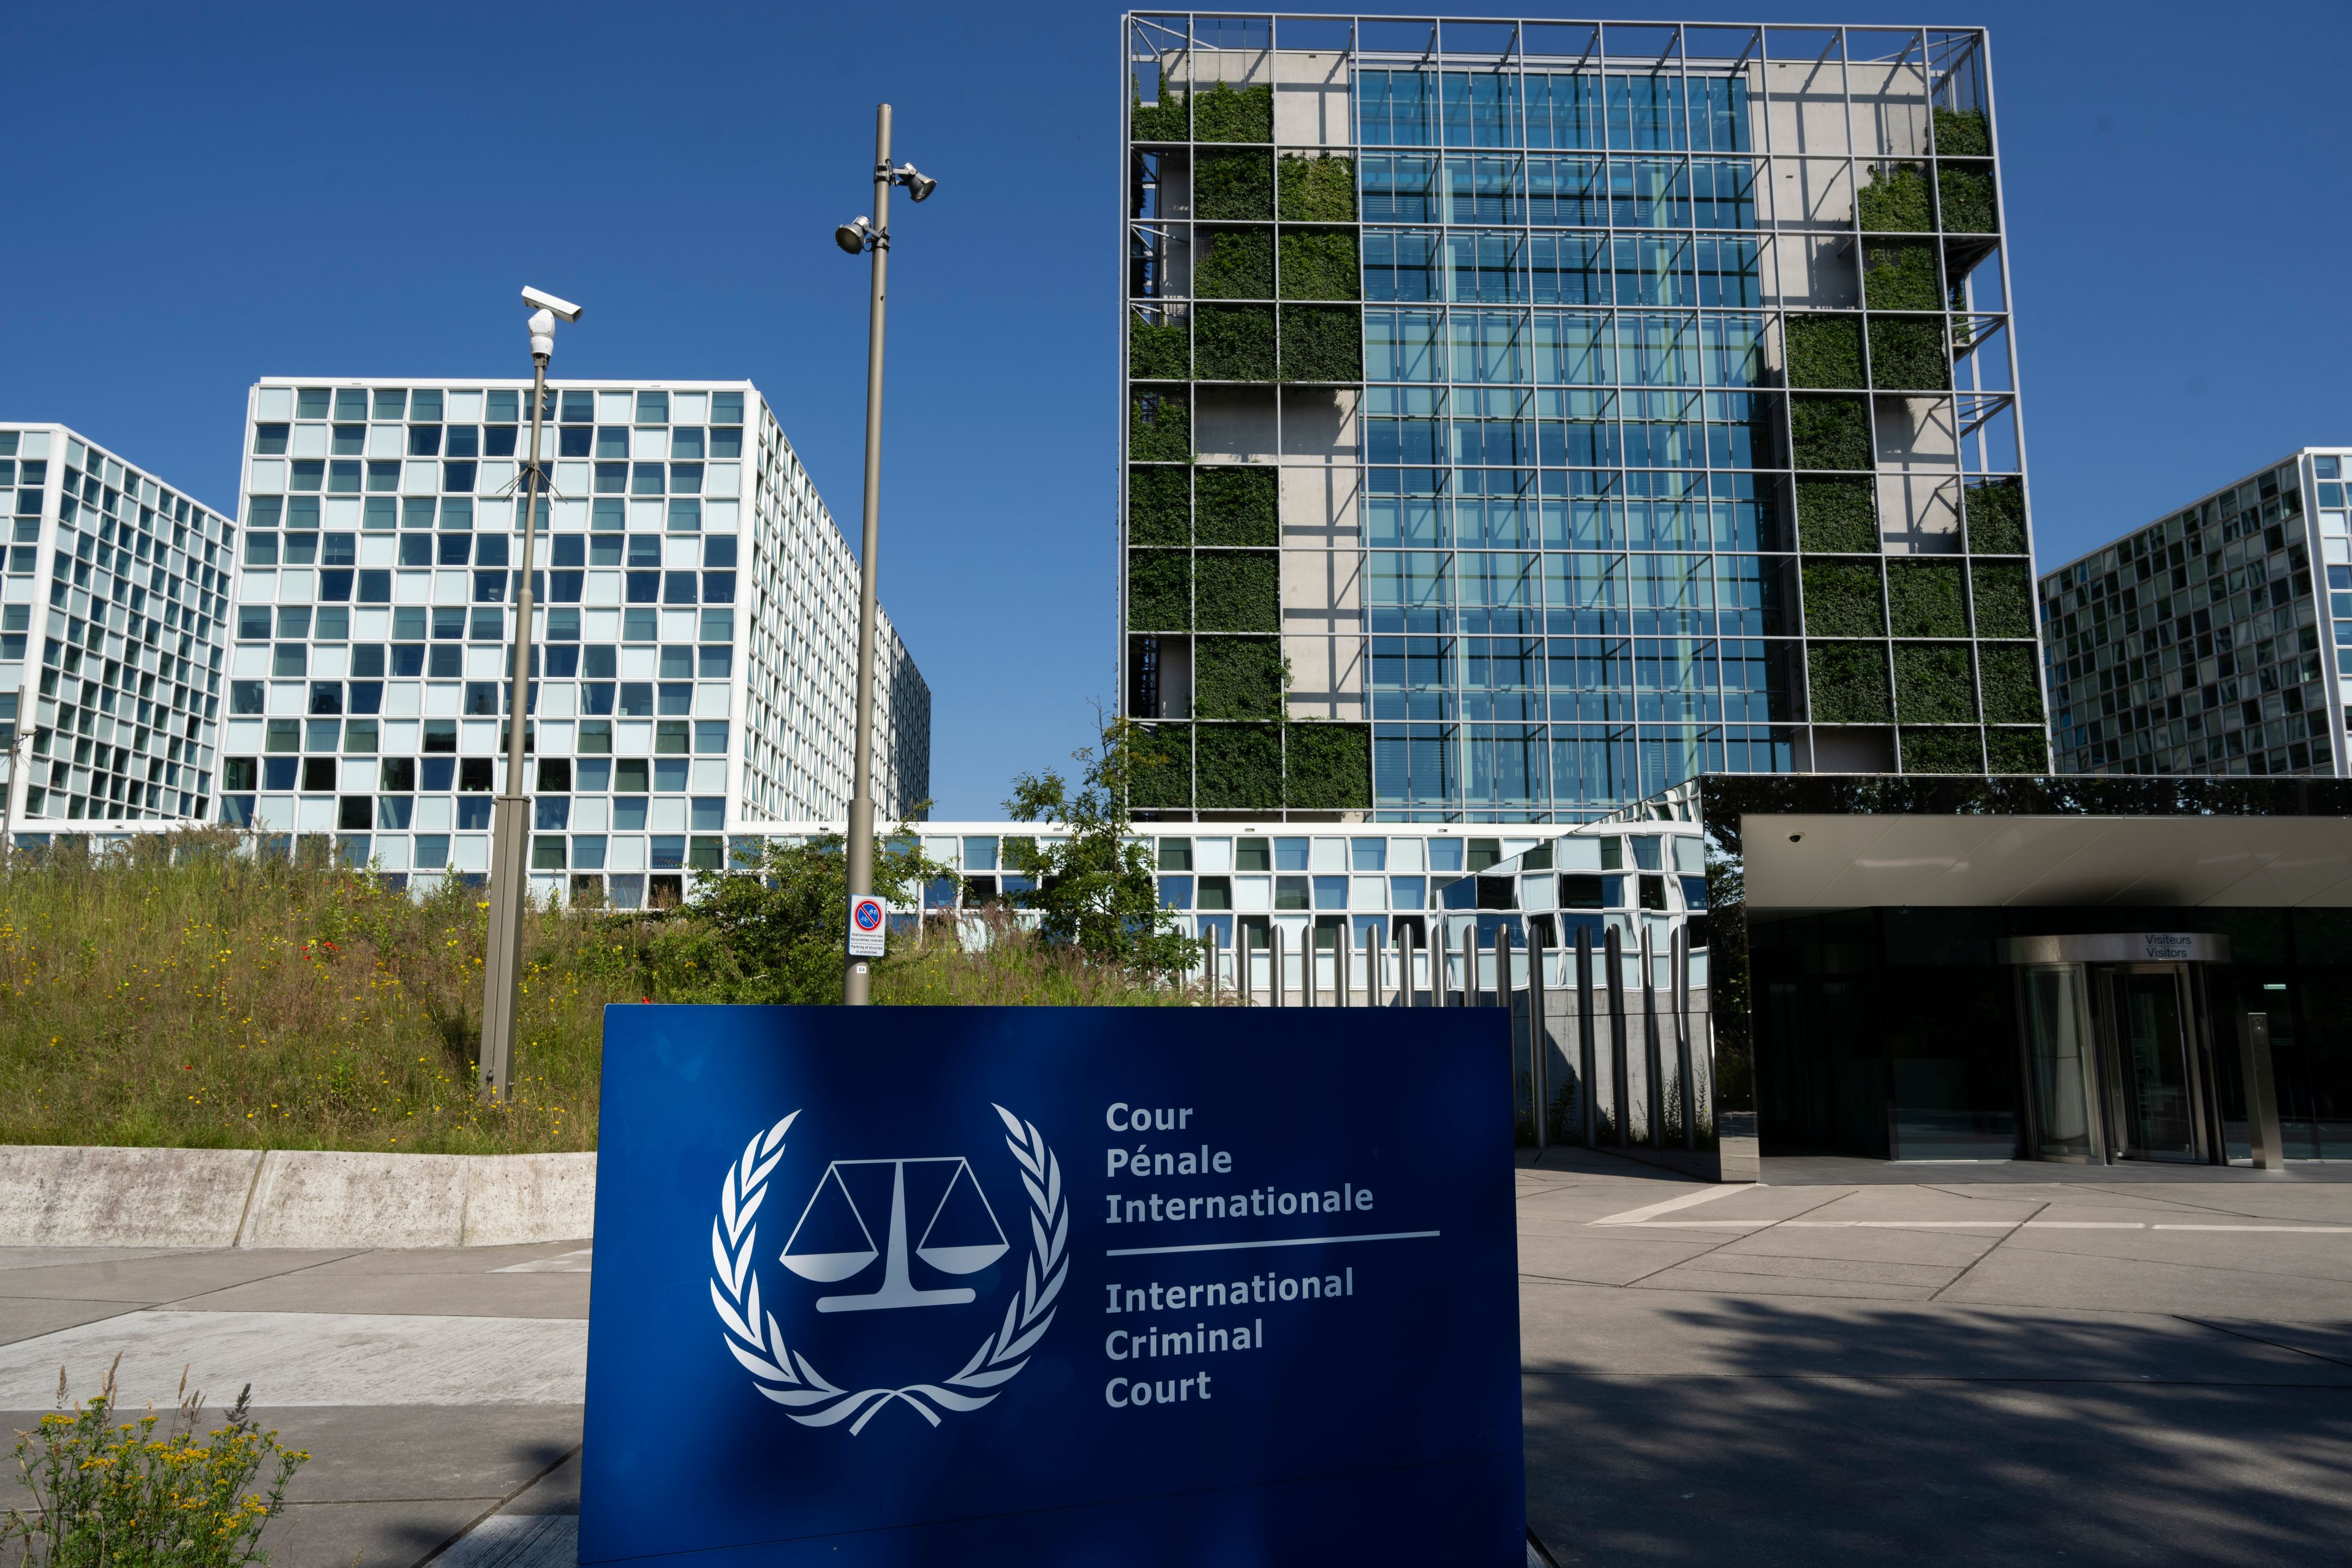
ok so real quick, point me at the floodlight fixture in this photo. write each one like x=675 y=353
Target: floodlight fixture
x=855 y=236
x=919 y=184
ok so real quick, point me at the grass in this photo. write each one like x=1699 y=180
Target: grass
x=185 y=994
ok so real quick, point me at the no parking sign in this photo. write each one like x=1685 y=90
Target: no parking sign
x=865 y=924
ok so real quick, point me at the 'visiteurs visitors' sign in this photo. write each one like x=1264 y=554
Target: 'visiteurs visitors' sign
x=1053 y=1285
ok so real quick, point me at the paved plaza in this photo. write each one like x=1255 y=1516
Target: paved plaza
x=1852 y=1362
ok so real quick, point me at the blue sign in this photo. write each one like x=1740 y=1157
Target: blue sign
x=1046 y=1285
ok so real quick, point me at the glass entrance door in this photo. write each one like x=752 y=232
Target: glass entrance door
x=2149 y=1023
x=2060 y=1075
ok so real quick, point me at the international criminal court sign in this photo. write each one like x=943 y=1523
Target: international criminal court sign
x=1050 y=1286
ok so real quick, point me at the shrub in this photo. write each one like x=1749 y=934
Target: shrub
x=1849 y=683
x=1234 y=188
x=1967 y=198
x=2017 y=752
x=1159 y=350
x=1158 y=507
x=1239 y=265
x=1164 y=120
x=1942 y=751
x=1824 y=351
x=1226 y=114
x=1238 y=590
x=1316 y=190
x=1322 y=343
x=1996 y=514
x=1236 y=343
x=1830 y=433
x=1895 y=200
x=1318 y=264
x=1841 y=598
x=1907 y=352
x=1932 y=684
x=2004 y=597
x=1924 y=599
x=1900 y=277
x=1237 y=677
x=1159 y=591
x=1328 y=767
x=2011 y=674
x=1837 y=515
x=1240 y=766
x=1160 y=776
x=1963 y=133
x=1238 y=506
x=111 y=1491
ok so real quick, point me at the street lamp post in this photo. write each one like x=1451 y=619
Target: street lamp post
x=510 y=818
x=864 y=235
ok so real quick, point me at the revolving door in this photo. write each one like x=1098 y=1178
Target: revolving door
x=2117 y=1059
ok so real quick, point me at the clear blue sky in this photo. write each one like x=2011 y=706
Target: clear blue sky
x=200 y=194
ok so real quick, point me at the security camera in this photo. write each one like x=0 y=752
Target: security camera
x=540 y=299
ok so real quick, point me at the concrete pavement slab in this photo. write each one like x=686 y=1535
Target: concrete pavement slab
x=541 y=1295
x=25 y=1317
x=369 y=1534
x=1700 y=1276
x=417 y=1261
x=1743 y=1333
x=156 y=1279
x=1832 y=1471
x=298 y=1358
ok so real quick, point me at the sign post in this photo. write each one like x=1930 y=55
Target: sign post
x=1053 y=1285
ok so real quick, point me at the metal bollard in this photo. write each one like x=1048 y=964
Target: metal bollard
x=1587 y=1059
x=1538 y=1040
x=1679 y=963
x=1274 y=978
x=1621 y=1092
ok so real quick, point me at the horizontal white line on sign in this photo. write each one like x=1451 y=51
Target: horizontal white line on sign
x=2301 y=1230
x=1246 y=1246
x=1704 y=1195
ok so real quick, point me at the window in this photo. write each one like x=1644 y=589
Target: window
x=653 y=407
x=318 y=773
x=440 y=735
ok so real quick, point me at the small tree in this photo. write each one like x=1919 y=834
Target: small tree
x=1094 y=888
x=780 y=916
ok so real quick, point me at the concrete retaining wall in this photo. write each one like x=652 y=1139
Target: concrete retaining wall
x=53 y=1197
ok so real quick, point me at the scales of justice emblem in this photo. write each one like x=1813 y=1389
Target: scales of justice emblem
x=959 y=1236
x=938 y=1215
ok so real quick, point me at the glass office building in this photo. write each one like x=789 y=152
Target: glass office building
x=2201 y=643
x=695 y=650
x=1520 y=418
x=110 y=633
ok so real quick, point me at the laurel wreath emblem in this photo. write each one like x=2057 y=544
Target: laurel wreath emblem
x=786 y=1376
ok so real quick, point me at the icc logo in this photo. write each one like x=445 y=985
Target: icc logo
x=931 y=1212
